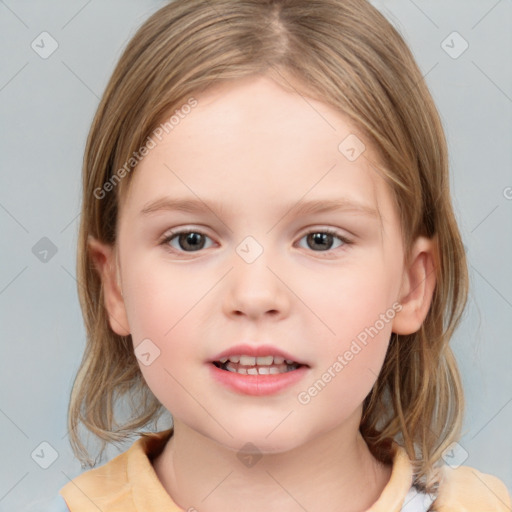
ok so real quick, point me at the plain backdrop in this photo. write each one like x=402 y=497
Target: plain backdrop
x=49 y=92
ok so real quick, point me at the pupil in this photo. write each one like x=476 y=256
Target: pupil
x=321 y=238
x=191 y=239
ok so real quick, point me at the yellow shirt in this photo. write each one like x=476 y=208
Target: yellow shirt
x=129 y=483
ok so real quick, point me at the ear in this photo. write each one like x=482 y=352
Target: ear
x=417 y=289
x=104 y=258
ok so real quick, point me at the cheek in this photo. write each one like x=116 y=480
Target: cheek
x=358 y=309
x=159 y=300
x=165 y=310
x=355 y=299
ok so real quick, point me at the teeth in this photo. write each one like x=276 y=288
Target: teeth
x=247 y=360
x=234 y=370
x=251 y=360
x=261 y=365
x=259 y=370
x=267 y=360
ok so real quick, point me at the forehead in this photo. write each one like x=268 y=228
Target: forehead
x=253 y=141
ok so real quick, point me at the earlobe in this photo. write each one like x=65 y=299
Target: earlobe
x=104 y=259
x=418 y=285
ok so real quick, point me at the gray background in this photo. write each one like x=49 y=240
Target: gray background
x=46 y=107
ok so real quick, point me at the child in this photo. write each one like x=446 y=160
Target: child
x=268 y=251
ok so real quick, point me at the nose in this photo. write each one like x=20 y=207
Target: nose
x=256 y=289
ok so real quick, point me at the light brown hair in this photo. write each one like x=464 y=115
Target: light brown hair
x=347 y=55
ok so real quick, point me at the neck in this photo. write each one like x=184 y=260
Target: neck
x=335 y=471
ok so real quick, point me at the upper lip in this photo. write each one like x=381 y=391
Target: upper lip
x=256 y=351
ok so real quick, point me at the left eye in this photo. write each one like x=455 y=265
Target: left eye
x=324 y=239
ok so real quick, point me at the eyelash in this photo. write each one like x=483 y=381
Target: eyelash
x=330 y=231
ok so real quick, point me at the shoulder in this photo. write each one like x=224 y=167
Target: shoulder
x=467 y=489
x=113 y=485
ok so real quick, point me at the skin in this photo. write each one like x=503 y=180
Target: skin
x=256 y=148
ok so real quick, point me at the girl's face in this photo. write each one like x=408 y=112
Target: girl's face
x=251 y=173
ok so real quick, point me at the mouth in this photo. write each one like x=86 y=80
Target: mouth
x=257 y=365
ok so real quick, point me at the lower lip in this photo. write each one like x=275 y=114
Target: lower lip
x=257 y=385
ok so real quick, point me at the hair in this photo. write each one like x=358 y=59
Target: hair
x=346 y=54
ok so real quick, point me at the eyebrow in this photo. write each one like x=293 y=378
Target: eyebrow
x=299 y=208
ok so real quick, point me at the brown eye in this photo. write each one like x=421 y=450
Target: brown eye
x=323 y=240
x=320 y=240
x=186 y=241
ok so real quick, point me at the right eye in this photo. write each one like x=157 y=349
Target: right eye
x=186 y=240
